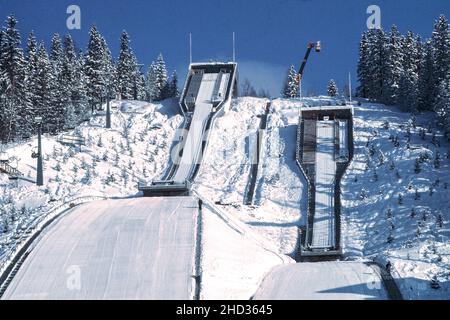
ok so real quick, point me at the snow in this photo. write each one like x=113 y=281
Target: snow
x=233 y=264
x=242 y=244
x=280 y=205
x=322 y=281
x=225 y=171
x=111 y=163
x=420 y=248
x=141 y=248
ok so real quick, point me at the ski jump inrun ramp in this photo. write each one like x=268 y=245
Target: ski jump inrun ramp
x=324 y=150
x=207 y=93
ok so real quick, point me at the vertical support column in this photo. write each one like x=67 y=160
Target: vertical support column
x=108 y=112
x=40 y=174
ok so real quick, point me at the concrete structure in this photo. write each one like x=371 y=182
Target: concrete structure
x=324 y=133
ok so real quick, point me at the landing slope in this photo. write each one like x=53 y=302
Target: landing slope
x=116 y=249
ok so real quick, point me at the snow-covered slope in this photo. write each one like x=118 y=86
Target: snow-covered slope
x=111 y=163
x=243 y=243
x=233 y=263
x=412 y=232
x=420 y=246
x=225 y=170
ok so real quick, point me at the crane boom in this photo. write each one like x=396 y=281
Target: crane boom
x=305 y=59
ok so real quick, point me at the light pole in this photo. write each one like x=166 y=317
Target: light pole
x=107 y=84
x=108 y=110
x=40 y=173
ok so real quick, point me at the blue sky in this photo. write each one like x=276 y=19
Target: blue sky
x=270 y=34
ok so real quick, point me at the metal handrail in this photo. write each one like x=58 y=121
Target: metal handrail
x=5 y=167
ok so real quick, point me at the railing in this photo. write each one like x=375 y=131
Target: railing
x=72 y=140
x=6 y=168
x=14 y=255
x=310 y=184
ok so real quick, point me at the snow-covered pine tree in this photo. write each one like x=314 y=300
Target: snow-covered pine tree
x=408 y=88
x=45 y=84
x=126 y=69
x=157 y=80
x=68 y=80
x=394 y=67
x=152 y=89
x=70 y=117
x=174 y=92
x=61 y=99
x=332 y=89
x=80 y=98
x=138 y=82
x=410 y=59
x=73 y=84
x=363 y=67
x=160 y=77
x=14 y=104
x=98 y=68
x=377 y=47
x=408 y=92
x=440 y=41
x=139 y=86
x=442 y=103
x=291 y=86
x=426 y=81
x=30 y=82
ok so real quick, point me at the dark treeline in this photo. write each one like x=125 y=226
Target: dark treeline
x=406 y=70
x=64 y=86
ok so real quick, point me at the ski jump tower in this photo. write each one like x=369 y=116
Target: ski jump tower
x=207 y=93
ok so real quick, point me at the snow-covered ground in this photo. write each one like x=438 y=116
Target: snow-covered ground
x=343 y=280
x=420 y=248
x=236 y=256
x=233 y=261
x=412 y=232
x=225 y=169
x=110 y=164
